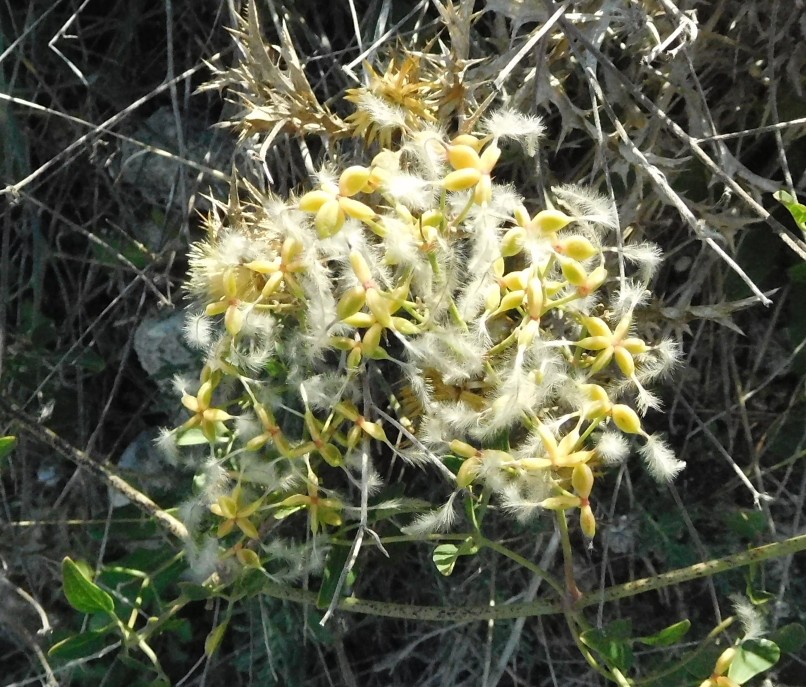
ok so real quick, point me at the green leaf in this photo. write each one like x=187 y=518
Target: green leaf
x=746 y=522
x=796 y=209
x=213 y=640
x=83 y=594
x=754 y=656
x=7 y=445
x=336 y=560
x=612 y=642
x=446 y=555
x=790 y=638
x=444 y=558
x=191 y=437
x=79 y=646
x=667 y=636
x=196 y=592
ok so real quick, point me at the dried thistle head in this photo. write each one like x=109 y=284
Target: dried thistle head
x=271 y=86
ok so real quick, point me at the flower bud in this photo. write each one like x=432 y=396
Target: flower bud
x=492 y=297
x=314 y=200
x=512 y=242
x=380 y=307
x=468 y=472
x=461 y=179
x=635 y=345
x=576 y=247
x=626 y=419
x=490 y=157
x=563 y=502
x=573 y=271
x=550 y=221
x=534 y=298
x=332 y=455
x=624 y=360
x=466 y=140
x=724 y=660
x=582 y=480
x=233 y=319
x=271 y=285
x=596 y=326
x=460 y=448
x=404 y=326
x=356 y=209
x=353 y=179
x=229 y=281
x=484 y=191
x=594 y=281
x=510 y=300
x=329 y=218
x=371 y=340
x=587 y=521
x=360 y=267
x=463 y=157
x=351 y=302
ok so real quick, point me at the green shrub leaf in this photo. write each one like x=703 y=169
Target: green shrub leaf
x=790 y=638
x=444 y=558
x=796 y=209
x=79 y=646
x=753 y=657
x=612 y=642
x=213 y=640
x=7 y=445
x=667 y=636
x=83 y=594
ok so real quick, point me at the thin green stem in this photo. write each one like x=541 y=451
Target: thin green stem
x=568 y=556
x=552 y=581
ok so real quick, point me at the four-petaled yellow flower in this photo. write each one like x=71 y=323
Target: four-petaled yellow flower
x=321 y=511
x=204 y=415
x=236 y=512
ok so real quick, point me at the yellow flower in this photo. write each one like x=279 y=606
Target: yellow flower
x=235 y=512
x=321 y=511
x=204 y=415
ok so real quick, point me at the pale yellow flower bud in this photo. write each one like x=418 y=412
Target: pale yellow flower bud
x=351 y=302
x=461 y=179
x=329 y=218
x=582 y=480
x=360 y=267
x=626 y=419
x=353 y=180
x=314 y=200
x=576 y=247
x=563 y=502
x=460 y=448
x=624 y=360
x=550 y=221
x=463 y=157
x=573 y=271
x=512 y=242
x=356 y=209
x=587 y=521
x=534 y=298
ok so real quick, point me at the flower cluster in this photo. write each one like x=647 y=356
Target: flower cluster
x=419 y=307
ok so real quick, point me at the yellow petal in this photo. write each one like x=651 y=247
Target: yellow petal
x=461 y=179
x=353 y=180
x=463 y=157
x=314 y=200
